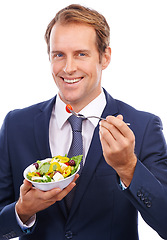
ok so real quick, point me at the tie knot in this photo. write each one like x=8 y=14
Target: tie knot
x=76 y=123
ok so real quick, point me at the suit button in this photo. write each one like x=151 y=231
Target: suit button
x=68 y=235
x=146 y=201
x=142 y=197
x=148 y=204
x=139 y=193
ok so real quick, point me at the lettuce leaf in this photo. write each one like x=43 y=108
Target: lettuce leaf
x=77 y=160
x=44 y=168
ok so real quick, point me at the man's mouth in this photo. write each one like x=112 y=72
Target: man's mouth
x=74 y=80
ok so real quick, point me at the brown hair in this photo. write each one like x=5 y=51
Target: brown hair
x=75 y=13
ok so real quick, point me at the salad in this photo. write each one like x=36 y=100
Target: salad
x=53 y=169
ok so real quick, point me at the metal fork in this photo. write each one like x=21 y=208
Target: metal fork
x=82 y=116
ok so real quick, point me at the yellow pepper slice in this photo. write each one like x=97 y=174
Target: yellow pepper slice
x=57 y=169
x=33 y=174
x=67 y=171
x=53 y=160
x=63 y=159
x=30 y=174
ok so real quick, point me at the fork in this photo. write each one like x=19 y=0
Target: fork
x=82 y=116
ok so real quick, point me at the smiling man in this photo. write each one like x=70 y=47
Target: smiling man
x=124 y=167
x=75 y=63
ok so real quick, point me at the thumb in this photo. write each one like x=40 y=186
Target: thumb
x=25 y=187
x=120 y=117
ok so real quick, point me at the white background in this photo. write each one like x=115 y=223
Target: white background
x=137 y=73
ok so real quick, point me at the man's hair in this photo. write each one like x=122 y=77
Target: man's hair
x=75 y=13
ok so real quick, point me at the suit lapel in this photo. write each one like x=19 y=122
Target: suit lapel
x=41 y=128
x=93 y=157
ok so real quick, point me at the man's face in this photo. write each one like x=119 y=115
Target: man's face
x=75 y=63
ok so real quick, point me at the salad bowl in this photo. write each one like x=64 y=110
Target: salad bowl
x=46 y=186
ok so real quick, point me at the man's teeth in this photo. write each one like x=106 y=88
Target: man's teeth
x=72 y=80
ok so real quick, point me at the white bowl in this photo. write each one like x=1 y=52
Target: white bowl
x=50 y=185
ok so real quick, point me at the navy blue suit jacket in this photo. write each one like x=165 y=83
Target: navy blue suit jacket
x=100 y=210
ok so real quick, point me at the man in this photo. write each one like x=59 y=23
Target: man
x=124 y=166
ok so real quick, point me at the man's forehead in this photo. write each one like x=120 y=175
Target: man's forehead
x=72 y=34
x=74 y=27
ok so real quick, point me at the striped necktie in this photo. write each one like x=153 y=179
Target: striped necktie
x=76 y=148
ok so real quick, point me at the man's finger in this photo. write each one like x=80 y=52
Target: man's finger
x=25 y=187
x=59 y=194
x=66 y=190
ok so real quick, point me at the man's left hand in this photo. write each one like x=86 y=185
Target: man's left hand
x=118 y=143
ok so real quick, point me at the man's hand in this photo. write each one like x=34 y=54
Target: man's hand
x=118 y=143
x=33 y=200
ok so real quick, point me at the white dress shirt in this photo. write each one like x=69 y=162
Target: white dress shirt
x=60 y=134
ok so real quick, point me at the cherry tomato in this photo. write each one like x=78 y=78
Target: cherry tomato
x=68 y=106
x=38 y=174
x=67 y=163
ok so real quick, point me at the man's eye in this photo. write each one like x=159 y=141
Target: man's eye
x=59 y=55
x=82 y=54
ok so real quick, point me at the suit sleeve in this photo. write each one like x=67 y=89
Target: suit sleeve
x=148 y=189
x=9 y=227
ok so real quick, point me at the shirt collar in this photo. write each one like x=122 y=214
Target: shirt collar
x=94 y=108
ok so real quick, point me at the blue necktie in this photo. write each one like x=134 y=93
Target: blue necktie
x=77 y=142
x=76 y=148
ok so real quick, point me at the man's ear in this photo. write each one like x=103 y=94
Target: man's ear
x=106 y=58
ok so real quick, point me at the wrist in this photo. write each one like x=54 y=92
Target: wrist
x=26 y=226
x=126 y=173
x=24 y=217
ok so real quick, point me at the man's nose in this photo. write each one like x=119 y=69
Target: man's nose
x=70 y=65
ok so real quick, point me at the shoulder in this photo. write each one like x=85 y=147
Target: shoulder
x=32 y=110
x=132 y=112
x=137 y=116
x=25 y=116
x=138 y=119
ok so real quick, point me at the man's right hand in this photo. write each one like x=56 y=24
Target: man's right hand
x=33 y=200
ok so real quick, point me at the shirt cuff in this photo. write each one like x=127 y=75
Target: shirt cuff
x=30 y=223
x=122 y=185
